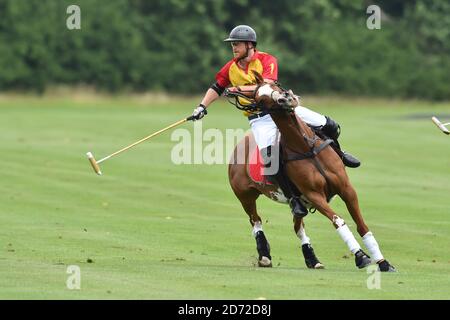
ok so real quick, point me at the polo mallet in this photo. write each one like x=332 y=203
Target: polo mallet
x=440 y=125
x=95 y=163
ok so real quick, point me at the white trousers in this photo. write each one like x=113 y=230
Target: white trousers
x=265 y=130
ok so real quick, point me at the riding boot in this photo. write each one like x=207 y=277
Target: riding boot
x=297 y=208
x=332 y=130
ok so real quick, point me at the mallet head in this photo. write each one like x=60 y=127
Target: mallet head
x=94 y=163
x=440 y=125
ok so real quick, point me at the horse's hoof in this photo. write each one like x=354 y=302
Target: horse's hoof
x=265 y=262
x=385 y=266
x=318 y=265
x=362 y=260
x=314 y=265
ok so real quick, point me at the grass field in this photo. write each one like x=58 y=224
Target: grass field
x=154 y=230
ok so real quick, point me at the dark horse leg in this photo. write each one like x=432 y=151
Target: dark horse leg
x=311 y=260
x=247 y=193
x=248 y=201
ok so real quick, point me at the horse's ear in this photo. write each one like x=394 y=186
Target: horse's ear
x=258 y=76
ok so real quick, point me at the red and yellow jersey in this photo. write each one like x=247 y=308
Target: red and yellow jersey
x=232 y=74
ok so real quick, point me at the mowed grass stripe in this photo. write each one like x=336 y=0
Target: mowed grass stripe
x=155 y=230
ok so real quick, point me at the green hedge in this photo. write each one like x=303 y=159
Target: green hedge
x=176 y=45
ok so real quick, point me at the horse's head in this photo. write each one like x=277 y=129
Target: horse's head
x=280 y=104
x=272 y=97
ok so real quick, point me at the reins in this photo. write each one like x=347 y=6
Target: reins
x=252 y=107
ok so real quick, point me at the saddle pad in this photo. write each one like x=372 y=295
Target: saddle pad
x=256 y=167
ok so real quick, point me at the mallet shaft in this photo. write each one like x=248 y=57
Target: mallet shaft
x=95 y=164
x=144 y=139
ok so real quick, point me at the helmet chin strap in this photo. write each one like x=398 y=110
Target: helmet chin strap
x=247 y=50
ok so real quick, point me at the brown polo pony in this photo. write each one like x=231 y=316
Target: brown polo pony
x=314 y=168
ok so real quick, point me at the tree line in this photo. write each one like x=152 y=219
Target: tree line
x=176 y=45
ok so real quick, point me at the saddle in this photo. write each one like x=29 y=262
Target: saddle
x=255 y=170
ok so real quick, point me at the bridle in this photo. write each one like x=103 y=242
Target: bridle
x=254 y=107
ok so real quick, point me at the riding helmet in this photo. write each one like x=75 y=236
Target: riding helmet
x=242 y=33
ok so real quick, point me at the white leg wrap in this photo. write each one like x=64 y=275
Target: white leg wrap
x=372 y=245
x=310 y=117
x=349 y=239
x=301 y=234
x=256 y=227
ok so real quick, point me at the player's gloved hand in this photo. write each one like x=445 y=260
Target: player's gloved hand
x=199 y=112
